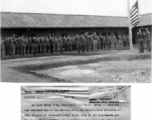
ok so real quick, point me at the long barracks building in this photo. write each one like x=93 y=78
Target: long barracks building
x=38 y=24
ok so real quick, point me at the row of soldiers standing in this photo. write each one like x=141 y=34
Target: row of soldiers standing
x=41 y=45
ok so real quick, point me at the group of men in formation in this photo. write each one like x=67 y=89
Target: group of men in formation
x=83 y=42
x=79 y=43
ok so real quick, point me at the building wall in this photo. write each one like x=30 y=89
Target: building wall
x=70 y=32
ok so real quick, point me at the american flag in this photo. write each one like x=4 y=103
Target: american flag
x=134 y=15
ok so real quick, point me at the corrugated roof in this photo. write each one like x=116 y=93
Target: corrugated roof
x=39 y=20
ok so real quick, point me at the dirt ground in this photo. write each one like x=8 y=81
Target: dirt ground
x=102 y=66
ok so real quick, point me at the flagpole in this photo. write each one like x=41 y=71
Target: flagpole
x=130 y=29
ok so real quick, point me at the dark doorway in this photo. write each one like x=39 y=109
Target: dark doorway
x=104 y=34
x=64 y=34
x=33 y=35
x=116 y=34
x=109 y=33
x=134 y=37
x=97 y=33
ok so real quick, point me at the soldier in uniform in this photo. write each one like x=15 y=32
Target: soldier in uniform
x=30 y=45
x=11 y=46
x=55 y=44
x=5 y=47
x=22 y=45
x=124 y=41
x=91 y=41
x=39 y=45
x=98 y=43
x=82 y=37
x=95 y=42
x=51 y=40
x=108 y=41
x=26 y=45
x=119 y=41
x=114 y=42
x=65 y=43
x=16 y=45
x=140 y=36
x=9 y=42
x=127 y=40
x=47 y=45
x=60 y=42
x=101 y=41
x=19 y=42
x=69 y=43
x=34 y=46
x=147 y=36
x=73 y=43
x=77 y=39
x=87 y=41
x=6 y=43
x=42 y=45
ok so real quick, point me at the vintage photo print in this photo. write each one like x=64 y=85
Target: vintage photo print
x=76 y=41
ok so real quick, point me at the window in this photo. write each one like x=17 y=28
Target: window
x=51 y=34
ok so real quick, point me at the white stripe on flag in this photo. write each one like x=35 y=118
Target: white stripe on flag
x=135 y=21
x=134 y=24
x=134 y=18
x=132 y=9
x=135 y=11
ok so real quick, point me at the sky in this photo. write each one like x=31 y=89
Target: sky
x=80 y=7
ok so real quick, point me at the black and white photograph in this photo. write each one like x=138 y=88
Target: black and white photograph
x=76 y=41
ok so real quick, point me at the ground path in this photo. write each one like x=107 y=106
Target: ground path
x=101 y=66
